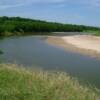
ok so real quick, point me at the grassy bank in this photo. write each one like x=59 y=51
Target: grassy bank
x=95 y=32
x=20 y=84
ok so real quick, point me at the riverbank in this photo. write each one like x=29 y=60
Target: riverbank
x=18 y=83
x=84 y=44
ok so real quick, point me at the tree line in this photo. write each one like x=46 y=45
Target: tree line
x=25 y=26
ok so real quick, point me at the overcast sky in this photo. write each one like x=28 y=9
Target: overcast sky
x=85 y=12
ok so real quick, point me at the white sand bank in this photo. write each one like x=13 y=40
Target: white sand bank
x=84 y=41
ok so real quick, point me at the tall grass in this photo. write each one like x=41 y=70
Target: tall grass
x=21 y=84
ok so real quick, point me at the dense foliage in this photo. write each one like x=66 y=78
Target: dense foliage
x=24 y=26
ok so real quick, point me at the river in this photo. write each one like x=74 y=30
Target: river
x=35 y=52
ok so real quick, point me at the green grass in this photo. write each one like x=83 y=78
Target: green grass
x=96 y=32
x=21 y=84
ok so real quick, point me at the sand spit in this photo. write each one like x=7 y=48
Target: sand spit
x=84 y=44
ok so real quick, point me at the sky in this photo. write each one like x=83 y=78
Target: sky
x=82 y=12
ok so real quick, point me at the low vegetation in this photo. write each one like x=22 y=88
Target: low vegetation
x=93 y=32
x=97 y=33
x=22 y=26
x=21 y=84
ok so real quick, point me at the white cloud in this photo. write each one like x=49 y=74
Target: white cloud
x=10 y=6
x=4 y=4
x=91 y=3
x=10 y=2
x=95 y=3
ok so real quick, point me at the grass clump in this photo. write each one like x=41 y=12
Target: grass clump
x=21 y=84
